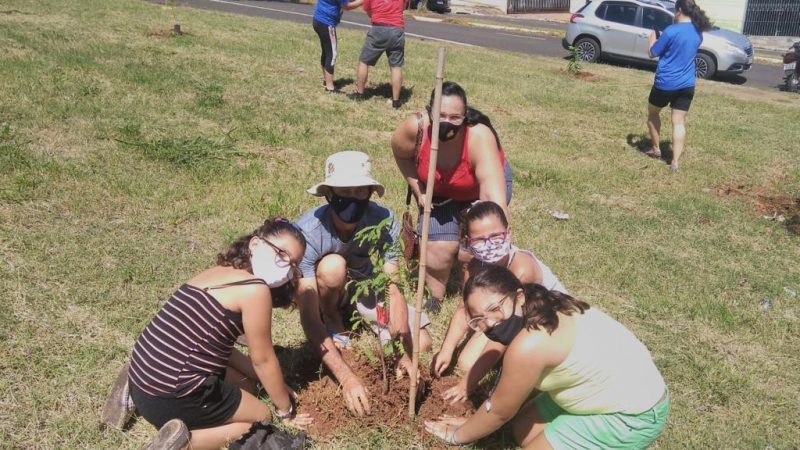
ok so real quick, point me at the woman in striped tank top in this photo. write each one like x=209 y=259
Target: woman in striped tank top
x=184 y=365
x=485 y=234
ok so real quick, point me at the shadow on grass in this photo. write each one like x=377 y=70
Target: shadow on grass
x=385 y=90
x=342 y=82
x=642 y=143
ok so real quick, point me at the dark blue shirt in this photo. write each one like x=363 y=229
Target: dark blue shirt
x=676 y=49
x=329 y=12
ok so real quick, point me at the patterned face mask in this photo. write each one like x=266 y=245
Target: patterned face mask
x=492 y=249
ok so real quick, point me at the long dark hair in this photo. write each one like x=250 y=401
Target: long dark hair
x=541 y=307
x=699 y=18
x=237 y=255
x=472 y=116
x=477 y=212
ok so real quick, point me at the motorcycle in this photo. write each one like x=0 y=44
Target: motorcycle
x=791 y=68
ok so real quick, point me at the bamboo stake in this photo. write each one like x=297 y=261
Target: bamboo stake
x=423 y=241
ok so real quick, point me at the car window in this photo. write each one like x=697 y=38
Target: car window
x=620 y=13
x=654 y=19
x=601 y=11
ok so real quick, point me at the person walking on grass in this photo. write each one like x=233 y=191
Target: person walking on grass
x=186 y=377
x=487 y=236
x=334 y=257
x=387 y=35
x=674 y=82
x=327 y=14
x=572 y=376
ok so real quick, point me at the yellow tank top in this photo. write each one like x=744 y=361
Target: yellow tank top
x=608 y=370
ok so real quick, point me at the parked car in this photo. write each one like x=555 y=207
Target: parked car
x=620 y=29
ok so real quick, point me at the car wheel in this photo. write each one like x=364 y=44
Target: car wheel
x=705 y=67
x=587 y=49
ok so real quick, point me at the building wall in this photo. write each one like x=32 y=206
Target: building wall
x=727 y=14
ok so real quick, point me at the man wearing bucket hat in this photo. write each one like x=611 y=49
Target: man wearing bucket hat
x=333 y=257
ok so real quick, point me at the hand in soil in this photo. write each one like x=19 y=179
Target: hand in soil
x=356 y=397
x=440 y=363
x=301 y=421
x=404 y=366
x=444 y=426
x=457 y=393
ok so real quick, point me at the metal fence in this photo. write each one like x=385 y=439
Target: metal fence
x=772 y=18
x=524 y=6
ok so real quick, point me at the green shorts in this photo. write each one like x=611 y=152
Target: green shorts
x=600 y=431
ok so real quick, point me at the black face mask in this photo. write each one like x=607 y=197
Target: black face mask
x=448 y=131
x=347 y=209
x=505 y=332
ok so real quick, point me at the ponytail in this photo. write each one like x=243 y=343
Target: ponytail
x=541 y=307
x=699 y=18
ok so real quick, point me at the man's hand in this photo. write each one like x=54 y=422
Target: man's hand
x=355 y=396
x=441 y=362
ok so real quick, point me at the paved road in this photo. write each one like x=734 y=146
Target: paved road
x=759 y=76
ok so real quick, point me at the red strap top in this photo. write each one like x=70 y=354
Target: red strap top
x=458 y=183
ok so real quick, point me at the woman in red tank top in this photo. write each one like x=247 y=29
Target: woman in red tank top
x=470 y=166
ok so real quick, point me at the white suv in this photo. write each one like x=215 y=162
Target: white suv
x=620 y=28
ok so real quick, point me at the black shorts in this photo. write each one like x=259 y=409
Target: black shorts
x=211 y=405
x=680 y=99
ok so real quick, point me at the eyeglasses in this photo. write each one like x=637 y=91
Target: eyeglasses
x=492 y=239
x=283 y=256
x=455 y=119
x=479 y=323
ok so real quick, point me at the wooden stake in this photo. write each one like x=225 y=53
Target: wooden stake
x=423 y=241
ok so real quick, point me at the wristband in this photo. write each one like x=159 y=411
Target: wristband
x=285 y=415
x=452 y=440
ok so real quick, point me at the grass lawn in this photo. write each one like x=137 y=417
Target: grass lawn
x=129 y=158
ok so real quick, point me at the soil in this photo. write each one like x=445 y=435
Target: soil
x=323 y=400
x=768 y=204
x=581 y=75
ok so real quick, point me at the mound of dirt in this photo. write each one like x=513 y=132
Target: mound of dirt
x=323 y=400
x=768 y=204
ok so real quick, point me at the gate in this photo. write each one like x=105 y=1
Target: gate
x=525 y=6
x=772 y=18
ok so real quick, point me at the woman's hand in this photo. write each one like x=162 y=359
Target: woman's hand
x=444 y=427
x=441 y=362
x=457 y=394
x=301 y=421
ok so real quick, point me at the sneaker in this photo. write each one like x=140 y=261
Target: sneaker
x=174 y=435
x=433 y=305
x=396 y=104
x=119 y=407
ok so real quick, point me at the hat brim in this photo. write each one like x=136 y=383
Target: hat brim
x=320 y=189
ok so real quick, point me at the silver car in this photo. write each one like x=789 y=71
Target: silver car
x=620 y=28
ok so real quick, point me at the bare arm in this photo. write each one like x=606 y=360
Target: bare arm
x=485 y=158
x=398 y=308
x=257 y=320
x=314 y=328
x=404 y=141
x=522 y=367
x=353 y=5
x=651 y=41
x=307 y=301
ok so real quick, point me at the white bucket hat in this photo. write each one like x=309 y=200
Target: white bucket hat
x=347 y=169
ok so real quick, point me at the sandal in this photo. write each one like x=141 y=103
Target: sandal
x=653 y=152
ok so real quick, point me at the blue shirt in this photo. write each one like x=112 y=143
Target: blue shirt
x=676 y=49
x=329 y=12
x=321 y=240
